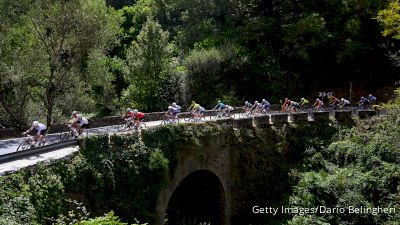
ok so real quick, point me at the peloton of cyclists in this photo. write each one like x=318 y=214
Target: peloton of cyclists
x=40 y=132
x=257 y=107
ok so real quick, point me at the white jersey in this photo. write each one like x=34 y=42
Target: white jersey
x=39 y=128
x=83 y=121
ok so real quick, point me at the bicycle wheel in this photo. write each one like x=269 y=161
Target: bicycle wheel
x=24 y=145
x=122 y=126
x=233 y=116
x=65 y=136
x=142 y=125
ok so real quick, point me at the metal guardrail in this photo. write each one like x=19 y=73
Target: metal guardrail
x=47 y=148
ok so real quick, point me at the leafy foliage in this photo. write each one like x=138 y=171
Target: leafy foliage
x=360 y=169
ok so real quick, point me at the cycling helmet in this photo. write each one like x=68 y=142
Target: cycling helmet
x=342 y=99
x=170 y=107
x=302 y=99
x=193 y=102
x=128 y=109
x=255 y=102
x=246 y=102
x=317 y=99
x=35 y=123
x=74 y=112
x=173 y=104
x=263 y=100
x=370 y=95
x=135 y=111
x=219 y=101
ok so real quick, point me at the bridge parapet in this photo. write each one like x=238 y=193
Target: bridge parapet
x=320 y=116
x=243 y=122
x=299 y=117
x=261 y=121
x=363 y=114
x=343 y=116
x=280 y=118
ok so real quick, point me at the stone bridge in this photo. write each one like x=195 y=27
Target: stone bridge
x=202 y=184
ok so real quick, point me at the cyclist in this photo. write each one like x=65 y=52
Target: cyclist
x=229 y=110
x=304 y=103
x=220 y=106
x=343 y=103
x=371 y=99
x=364 y=102
x=257 y=107
x=193 y=107
x=197 y=110
x=128 y=115
x=247 y=107
x=177 y=108
x=286 y=105
x=265 y=105
x=40 y=132
x=137 y=117
x=334 y=102
x=318 y=104
x=80 y=122
x=294 y=106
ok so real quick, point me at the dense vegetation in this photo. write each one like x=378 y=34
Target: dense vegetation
x=100 y=57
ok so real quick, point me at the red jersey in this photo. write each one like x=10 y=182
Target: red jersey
x=139 y=115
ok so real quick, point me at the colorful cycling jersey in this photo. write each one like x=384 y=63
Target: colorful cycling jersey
x=220 y=105
x=139 y=115
x=294 y=104
x=130 y=114
x=39 y=128
x=372 y=98
x=266 y=104
x=201 y=109
x=248 y=105
x=258 y=105
x=318 y=103
x=304 y=102
x=177 y=108
x=196 y=106
x=83 y=121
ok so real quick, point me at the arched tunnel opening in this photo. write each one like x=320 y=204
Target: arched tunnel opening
x=198 y=199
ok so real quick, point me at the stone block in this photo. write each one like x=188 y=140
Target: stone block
x=363 y=114
x=299 y=117
x=280 y=118
x=243 y=123
x=261 y=121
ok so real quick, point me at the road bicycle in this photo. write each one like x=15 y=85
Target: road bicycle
x=168 y=119
x=195 y=117
x=130 y=125
x=221 y=114
x=70 y=134
x=27 y=143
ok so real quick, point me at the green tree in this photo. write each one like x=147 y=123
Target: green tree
x=68 y=31
x=148 y=67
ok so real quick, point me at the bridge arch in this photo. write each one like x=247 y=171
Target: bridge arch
x=212 y=166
